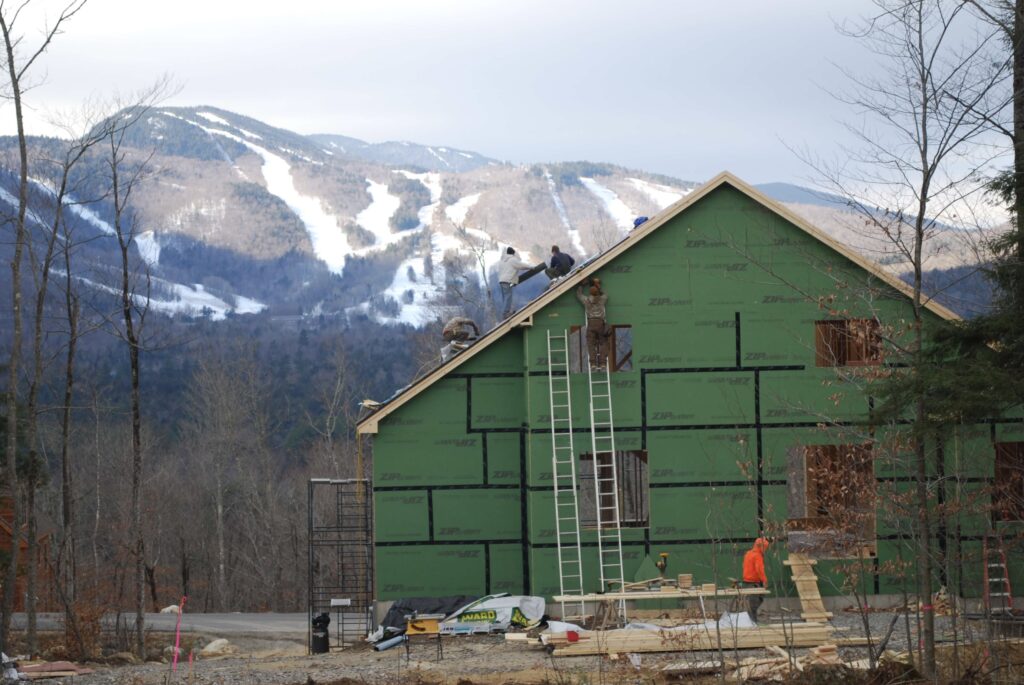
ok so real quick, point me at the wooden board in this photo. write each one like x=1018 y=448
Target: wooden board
x=677 y=593
x=811 y=606
x=633 y=641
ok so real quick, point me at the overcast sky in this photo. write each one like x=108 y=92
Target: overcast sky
x=680 y=87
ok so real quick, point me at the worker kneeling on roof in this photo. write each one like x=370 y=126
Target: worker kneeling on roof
x=754 y=575
x=458 y=334
x=561 y=264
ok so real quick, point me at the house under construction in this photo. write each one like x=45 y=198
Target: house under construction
x=734 y=403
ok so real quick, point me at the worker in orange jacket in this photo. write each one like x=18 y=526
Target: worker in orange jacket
x=754 y=575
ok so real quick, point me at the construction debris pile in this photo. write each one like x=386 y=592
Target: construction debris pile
x=709 y=635
x=38 y=670
x=456 y=616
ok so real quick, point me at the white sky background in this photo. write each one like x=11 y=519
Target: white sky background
x=680 y=87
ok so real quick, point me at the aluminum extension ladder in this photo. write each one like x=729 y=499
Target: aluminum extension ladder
x=998 y=596
x=606 y=481
x=563 y=471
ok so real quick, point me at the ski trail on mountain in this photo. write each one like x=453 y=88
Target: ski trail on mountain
x=330 y=245
x=376 y=218
x=443 y=160
x=663 y=196
x=621 y=214
x=574 y=234
x=191 y=300
x=432 y=181
x=457 y=211
x=148 y=247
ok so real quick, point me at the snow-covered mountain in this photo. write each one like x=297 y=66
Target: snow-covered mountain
x=404 y=153
x=241 y=217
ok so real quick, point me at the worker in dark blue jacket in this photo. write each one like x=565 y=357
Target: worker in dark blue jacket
x=561 y=264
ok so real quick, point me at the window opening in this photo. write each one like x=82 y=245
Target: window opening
x=634 y=489
x=847 y=342
x=832 y=500
x=618 y=348
x=1008 y=494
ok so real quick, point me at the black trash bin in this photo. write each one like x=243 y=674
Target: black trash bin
x=321 y=639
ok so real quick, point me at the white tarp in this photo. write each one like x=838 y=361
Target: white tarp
x=495 y=613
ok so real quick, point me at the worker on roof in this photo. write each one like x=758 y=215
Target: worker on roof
x=594 y=304
x=561 y=264
x=754 y=575
x=458 y=334
x=509 y=267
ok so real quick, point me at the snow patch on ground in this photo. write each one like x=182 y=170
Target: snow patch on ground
x=663 y=196
x=574 y=234
x=457 y=211
x=182 y=299
x=466 y=155
x=426 y=290
x=621 y=214
x=419 y=294
x=376 y=218
x=247 y=305
x=148 y=247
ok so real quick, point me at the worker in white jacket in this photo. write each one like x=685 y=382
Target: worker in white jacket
x=509 y=267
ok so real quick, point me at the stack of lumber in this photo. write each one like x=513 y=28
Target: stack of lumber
x=744 y=670
x=676 y=593
x=771 y=668
x=777 y=668
x=632 y=640
x=811 y=606
x=679 y=615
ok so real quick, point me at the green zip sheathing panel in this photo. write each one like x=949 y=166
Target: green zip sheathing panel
x=722 y=302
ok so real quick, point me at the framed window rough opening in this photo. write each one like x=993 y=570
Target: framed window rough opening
x=633 y=488
x=1008 y=493
x=847 y=342
x=618 y=348
x=832 y=500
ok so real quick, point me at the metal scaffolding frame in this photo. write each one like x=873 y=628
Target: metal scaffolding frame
x=340 y=536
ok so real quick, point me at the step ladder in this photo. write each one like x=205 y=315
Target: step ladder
x=998 y=596
x=606 y=482
x=563 y=471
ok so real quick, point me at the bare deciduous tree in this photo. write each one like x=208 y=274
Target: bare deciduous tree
x=125 y=174
x=18 y=69
x=920 y=151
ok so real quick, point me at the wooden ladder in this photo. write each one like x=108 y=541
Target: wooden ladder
x=998 y=595
x=811 y=606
